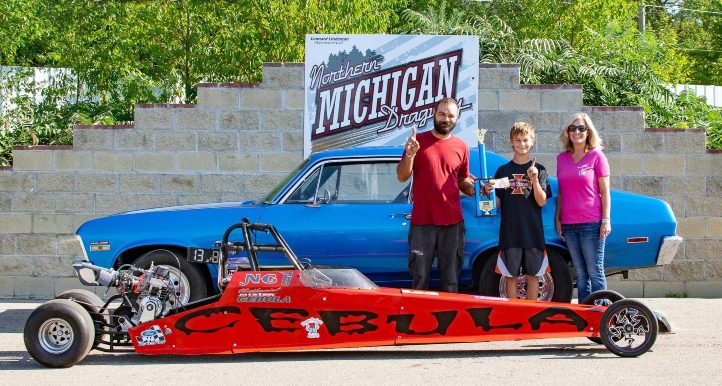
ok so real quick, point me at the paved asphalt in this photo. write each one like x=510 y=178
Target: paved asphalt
x=689 y=356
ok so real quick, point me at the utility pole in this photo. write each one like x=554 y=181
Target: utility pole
x=641 y=16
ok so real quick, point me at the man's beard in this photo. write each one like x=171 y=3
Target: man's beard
x=443 y=128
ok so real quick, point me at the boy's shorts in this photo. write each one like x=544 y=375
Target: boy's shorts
x=510 y=261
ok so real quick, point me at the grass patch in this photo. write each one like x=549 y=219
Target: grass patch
x=677 y=295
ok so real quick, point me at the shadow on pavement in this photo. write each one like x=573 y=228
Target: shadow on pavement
x=21 y=360
x=12 y=321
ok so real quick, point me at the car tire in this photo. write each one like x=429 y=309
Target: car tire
x=91 y=303
x=89 y=300
x=558 y=280
x=628 y=328
x=59 y=333
x=187 y=278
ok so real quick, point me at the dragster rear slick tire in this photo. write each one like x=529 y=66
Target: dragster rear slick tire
x=59 y=333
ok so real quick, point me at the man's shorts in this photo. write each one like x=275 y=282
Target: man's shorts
x=510 y=261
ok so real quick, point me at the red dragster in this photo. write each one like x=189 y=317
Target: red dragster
x=300 y=306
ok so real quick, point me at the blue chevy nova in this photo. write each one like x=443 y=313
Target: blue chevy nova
x=347 y=208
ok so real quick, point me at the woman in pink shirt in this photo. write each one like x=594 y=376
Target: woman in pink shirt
x=583 y=202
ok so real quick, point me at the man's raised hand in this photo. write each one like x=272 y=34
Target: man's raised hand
x=412 y=145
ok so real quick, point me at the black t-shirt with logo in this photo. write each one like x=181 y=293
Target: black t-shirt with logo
x=521 y=220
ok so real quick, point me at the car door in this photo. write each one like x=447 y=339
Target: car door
x=352 y=213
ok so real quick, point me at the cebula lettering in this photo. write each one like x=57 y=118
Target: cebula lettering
x=360 y=322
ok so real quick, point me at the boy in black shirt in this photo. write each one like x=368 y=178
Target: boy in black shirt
x=521 y=234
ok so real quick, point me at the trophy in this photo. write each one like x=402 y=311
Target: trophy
x=484 y=207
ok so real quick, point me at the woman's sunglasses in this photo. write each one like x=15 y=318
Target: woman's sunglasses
x=573 y=128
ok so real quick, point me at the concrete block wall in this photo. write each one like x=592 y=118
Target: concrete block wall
x=240 y=140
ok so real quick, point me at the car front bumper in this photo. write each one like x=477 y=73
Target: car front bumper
x=668 y=250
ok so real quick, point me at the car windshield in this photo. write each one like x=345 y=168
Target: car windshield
x=335 y=278
x=269 y=197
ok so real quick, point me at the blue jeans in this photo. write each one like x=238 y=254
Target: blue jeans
x=587 y=251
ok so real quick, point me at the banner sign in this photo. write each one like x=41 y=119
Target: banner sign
x=369 y=90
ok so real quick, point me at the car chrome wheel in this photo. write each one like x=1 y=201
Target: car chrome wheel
x=546 y=287
x=188 y=283
x=180 y=292
x=55 y=336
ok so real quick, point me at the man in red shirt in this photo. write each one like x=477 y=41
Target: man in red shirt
x=439 y=162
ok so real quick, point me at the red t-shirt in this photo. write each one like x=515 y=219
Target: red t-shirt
x=438 y=166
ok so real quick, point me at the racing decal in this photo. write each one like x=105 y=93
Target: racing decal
x=312 y=325
x=234 y=262
x=286 y=278
x=278 y=319
x=258 y=278
x=212 y=316
x=360 y=322
x=265 y=278
x=417 y=292
x=262 y=297
x=549 y=316
x=151 y=337
x=99 y=246
x=349 y=322
x=403 y=323
x=258 y=290
x=481 y=319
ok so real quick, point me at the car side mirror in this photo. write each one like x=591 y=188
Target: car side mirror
x=325 y=199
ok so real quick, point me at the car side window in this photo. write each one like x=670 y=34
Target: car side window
x=365 y=183
x=353 y=183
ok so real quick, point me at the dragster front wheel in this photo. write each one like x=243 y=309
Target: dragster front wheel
x=59 y=333
x=628 y=328
x=602 y=298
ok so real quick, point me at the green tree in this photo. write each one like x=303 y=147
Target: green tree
x=129 y=48
x=615 y=64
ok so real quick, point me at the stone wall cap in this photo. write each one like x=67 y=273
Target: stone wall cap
x=612 y=108
x=282 y=64
x=102 y=127
x=551 y=86
x=43 y=147
x=673 y=130
x=165 y=105
x=229 y=85
x=498 y=65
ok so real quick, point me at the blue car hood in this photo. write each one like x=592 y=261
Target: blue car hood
x=244 y=204
x=171 y=226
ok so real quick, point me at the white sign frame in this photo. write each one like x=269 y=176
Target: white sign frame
x=371 y=89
